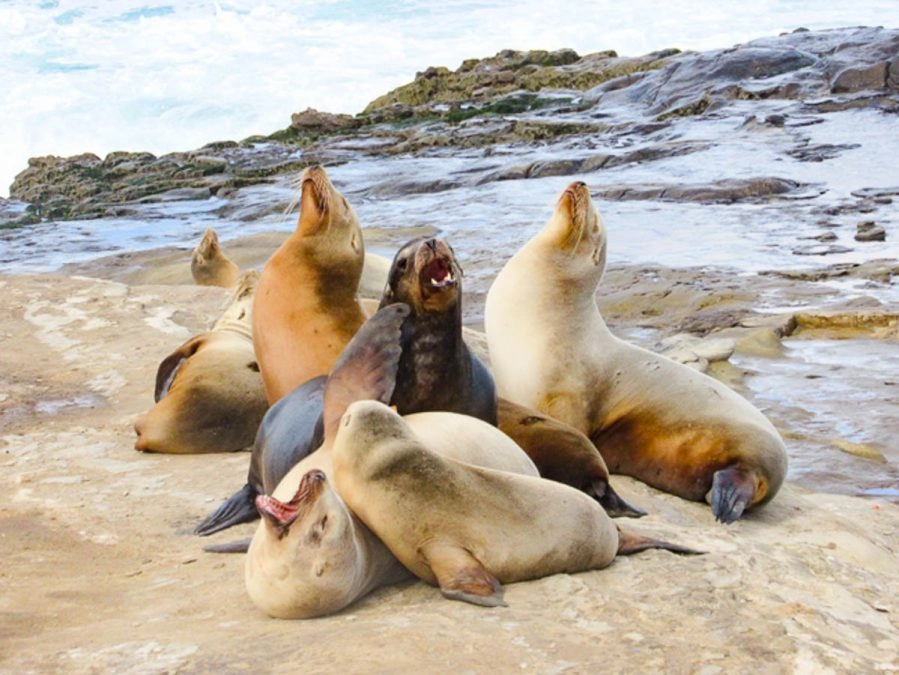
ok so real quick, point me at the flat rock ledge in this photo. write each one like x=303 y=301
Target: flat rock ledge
x=101 y=572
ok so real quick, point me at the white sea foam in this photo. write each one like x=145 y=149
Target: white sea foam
x=164 y=75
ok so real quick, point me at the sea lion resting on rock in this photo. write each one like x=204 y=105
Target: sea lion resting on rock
x=465 y=528
x=656 y=420
x=209 y=395
x=209 y=265
x=306 y=308
x=438 y=371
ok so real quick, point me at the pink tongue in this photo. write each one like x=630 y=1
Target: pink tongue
x=276 y=510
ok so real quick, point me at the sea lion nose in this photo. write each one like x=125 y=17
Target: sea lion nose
x=431 y=244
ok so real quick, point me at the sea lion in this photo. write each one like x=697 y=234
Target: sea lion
x=209 y=265
x=651 y=418
x=306 y=308
x=293 y=427
x=209 y=395
x=438 y=371
x=311 y=555
x=464 y=528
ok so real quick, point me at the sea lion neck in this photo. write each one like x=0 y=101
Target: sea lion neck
x=432 y=342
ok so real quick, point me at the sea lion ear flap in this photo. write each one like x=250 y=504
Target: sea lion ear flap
x=366 y=369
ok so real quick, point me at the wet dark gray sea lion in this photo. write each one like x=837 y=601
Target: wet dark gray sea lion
x=209 y=265
x=306 y=308
x=293 y=427
x=209 y=395
x=438 y=371
x=464 y=528
x=659 y=421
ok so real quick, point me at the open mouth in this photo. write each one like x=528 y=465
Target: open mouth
x=283 y=514
x=438 y=274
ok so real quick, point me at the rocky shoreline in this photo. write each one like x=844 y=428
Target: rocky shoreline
x=515 y=98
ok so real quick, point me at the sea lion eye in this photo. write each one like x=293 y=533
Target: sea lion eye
x=402 y=264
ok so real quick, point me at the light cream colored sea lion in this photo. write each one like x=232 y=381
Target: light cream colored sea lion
x=209 y=395
x=306 y=307
x=659 y=421
x=466 y=528
x=209 y=265
x=312 y=556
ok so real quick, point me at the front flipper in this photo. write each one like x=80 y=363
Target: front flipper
x=461 y=576
x=238 y=508
x=612 y=502
x=732 y=490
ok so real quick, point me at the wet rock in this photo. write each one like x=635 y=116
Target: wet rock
x=313 y=121
x=821 y=249
x=870 y=231
x=818 y=153
x=722 y=191
x=859 y=449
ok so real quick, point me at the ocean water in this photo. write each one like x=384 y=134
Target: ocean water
x=91 y=76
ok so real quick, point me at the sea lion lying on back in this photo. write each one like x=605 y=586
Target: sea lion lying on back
x=209 y=395
x=651 y=418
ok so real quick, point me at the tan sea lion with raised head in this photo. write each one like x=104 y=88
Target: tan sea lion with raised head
x=209 y=395
x=306 y=308
x=651 y=418
x=209 y=265
x=466 y=528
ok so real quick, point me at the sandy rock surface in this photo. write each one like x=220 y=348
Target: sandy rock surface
x=102 y=574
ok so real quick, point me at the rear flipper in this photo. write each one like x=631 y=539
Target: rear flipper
x=238 y=546
x=732 y=490
x=612 y=502
x=461 y=576
x=238 y=508
x=629 y=543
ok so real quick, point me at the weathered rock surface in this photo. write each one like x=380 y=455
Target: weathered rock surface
x=102 y=573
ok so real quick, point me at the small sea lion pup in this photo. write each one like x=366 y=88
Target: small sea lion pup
x=306 y=307
x=209 y=265
x=438 y=371
x=465 y=528
x=208 y=393
x=651 y=418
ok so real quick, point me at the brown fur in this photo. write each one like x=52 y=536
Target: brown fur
x=306 y=308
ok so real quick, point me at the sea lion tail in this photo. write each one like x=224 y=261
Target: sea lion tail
x=630 y=543
x=238 y=508
x=238 y=546
x=732 y=490
x=612 y=502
